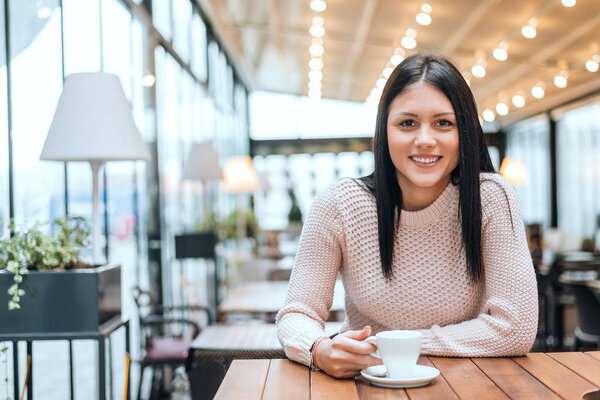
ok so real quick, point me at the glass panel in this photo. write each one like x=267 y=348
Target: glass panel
x=161 y=17
x=578 y=170
x=81 y=35
x=4 y=199
x=528 y=142
x=182 y=16
x=116 y=41
x=35 y=41
x=198 y=41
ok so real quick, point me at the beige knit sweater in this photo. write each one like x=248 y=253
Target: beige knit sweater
x=430 y=289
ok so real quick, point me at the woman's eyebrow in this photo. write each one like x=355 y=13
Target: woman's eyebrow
x=444 y=113
x=416 y=115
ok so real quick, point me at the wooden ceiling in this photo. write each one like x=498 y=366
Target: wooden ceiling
x=269 y=41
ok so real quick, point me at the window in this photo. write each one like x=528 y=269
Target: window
x=199 y=49
x=182 y=16
x=161 y=17
x=4 y=199
x=578 y=170
x=35 y=41
x=528 y=142
x=81 y=35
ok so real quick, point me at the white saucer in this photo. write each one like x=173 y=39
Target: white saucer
x=422 y=375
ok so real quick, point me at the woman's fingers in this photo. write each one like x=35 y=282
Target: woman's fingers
x=354 y=346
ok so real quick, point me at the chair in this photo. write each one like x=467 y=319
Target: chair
x=588 y=309
x=167 y=333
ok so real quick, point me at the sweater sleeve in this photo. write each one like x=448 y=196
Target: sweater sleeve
x=507 y=323
x=310 y=293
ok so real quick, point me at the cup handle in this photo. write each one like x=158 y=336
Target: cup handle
x=373 y=340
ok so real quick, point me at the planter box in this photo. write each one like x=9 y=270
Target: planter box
x=62 y=301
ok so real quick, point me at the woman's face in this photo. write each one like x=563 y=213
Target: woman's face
x=423 y=140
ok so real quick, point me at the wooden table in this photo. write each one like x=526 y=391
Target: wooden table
x=535 y=376
x=266 y=297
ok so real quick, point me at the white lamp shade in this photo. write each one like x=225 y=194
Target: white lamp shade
x=514 y=171
x=93 y=121
x=202 y=163
x=240 y=176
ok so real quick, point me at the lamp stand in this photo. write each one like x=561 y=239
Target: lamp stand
x=96 y=165
x=241 y=217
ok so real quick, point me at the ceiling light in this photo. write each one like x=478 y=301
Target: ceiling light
x=518 y=100
x=408 y=43
x=315 y=85
x=316 y=50
x=423 y=19
x=528 y=31
x=478 y=71
x=502 y=108
x=316 y=31
x=591 y=65
x=314 y=94
x=380 y=83
x=568 y=3
x=315 y=63
x=500 y=54
x=426 y=8
x=411 y=33
x=538 y=91
x=318 y=21
x=44 y=12
x=488 y=115
x=315 y=75
x=387 y=71
x=318 y=5
x=560 y=80
x=148 y=79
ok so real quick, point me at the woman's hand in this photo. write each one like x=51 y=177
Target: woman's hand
x=347 y=354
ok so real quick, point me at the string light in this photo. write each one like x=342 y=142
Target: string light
x=593 y=63
x=529 y=30
x=315 y=63
x=518 y=100
x=423 y=19
x=538 y=90
x=560 y=80
x=318 y=5
x=568 y=3
x=502 y=108
x=488 y=115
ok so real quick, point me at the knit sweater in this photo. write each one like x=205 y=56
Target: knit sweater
x=430 y=289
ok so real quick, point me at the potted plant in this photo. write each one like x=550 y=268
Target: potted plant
x=48 y=287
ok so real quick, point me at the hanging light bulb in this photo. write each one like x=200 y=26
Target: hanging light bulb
x=478 y=70
x=518 y=100
x=317 y=29
x=315 y=85
x=568 y=3
x=488 y=115
x=560 y=80
x=500 y=52
x=398 y=56
x=318 y=5
x=316 y=50
x=529 y=30
x=387 y=71
x=426 y=8
x=380 y=83
x=502 y=108
x=408 y=43
x=148 y=79
x=538 y=90
x=592 y=64
x=315 y=75
x=423 y=19
x=315 y=63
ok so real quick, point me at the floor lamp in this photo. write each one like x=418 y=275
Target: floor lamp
x=93 y=122
x=240 y=177
x=202 y=165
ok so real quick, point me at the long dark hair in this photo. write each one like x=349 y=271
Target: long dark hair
x=474 y=158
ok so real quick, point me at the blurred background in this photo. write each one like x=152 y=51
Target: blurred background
x=249 y=108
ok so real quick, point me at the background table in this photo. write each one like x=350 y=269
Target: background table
x=266 y=297
x=535 y=376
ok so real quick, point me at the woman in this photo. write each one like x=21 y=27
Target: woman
x=433 y=240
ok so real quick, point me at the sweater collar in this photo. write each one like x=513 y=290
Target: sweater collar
x=433 y=211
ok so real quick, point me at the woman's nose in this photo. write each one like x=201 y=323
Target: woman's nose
x=425 y=137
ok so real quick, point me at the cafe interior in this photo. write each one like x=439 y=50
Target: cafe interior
x=185 y=141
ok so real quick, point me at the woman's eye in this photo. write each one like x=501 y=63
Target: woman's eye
x=408 y=123
x=445 y=123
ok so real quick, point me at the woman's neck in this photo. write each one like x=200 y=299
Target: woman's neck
x=416 y=199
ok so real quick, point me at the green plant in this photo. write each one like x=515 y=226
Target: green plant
x=295 y=214
x=31 y=249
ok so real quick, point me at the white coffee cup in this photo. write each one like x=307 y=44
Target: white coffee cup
x=399 y=351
